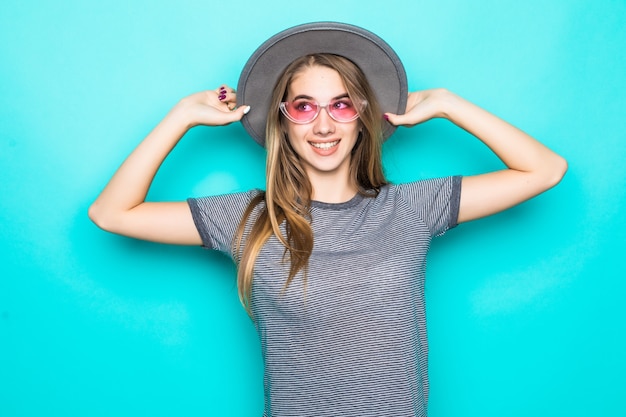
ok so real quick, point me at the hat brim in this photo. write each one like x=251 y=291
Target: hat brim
x=378 y=61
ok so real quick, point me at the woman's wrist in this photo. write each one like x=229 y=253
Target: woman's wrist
x=182 y=115
x=448 y=103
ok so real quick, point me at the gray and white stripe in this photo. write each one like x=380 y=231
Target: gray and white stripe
x=353 y=343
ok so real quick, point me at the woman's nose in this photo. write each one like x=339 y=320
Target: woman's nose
x=324 y=124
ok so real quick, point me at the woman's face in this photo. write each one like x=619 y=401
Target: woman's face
x=323 y=145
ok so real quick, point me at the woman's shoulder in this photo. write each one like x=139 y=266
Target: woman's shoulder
x=436 y=200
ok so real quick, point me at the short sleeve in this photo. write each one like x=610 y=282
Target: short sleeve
x=217 y=218
x=436 y=201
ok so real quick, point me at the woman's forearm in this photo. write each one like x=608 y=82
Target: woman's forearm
x=518 y=150
x=121 y=207
x=532 y=168
x=130 y=184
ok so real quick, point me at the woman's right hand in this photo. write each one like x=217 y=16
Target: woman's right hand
x=211 y=108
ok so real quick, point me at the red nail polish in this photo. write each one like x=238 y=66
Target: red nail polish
x=222 y=97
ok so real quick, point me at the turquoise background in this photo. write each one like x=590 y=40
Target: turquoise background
x=526 y=308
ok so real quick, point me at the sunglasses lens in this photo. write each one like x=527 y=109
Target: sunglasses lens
x=342 y=110
x=301 y=111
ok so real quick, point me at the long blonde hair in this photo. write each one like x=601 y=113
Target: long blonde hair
x=288 y=190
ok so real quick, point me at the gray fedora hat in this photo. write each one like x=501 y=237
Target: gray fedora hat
x=374 y=56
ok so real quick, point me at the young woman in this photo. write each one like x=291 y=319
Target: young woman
x=331 y=257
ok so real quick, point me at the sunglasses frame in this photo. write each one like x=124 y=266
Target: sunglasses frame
x=283 y=109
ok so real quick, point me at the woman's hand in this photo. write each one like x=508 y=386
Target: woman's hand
x=422 y=106
x=211 y=108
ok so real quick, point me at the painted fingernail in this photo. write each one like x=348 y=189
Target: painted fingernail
x=222 y=97
x=246 y=110
x=386 y=116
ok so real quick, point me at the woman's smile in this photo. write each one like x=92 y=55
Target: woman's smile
x=325 y=146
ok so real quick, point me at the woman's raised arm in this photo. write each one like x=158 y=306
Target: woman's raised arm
x=532 y=167
x=121 y=207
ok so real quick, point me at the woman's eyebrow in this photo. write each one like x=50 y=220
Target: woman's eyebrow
x=303 y=96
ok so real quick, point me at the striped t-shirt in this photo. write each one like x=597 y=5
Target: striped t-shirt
x=353 y=342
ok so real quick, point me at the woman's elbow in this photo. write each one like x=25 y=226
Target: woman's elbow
x=558 y=168
x=99 y=217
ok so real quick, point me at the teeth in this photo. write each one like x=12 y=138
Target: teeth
x=326 y=145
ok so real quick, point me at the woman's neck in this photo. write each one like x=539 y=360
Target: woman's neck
x=329 y=189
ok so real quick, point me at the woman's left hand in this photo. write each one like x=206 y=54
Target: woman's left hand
x=420 y=107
